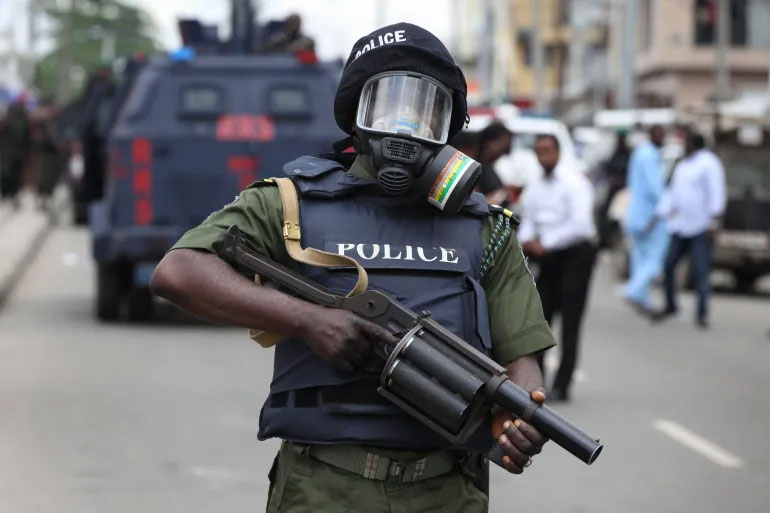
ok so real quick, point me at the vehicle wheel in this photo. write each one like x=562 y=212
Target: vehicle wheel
x=109 y=291
x=744 y=282
x=140 y=306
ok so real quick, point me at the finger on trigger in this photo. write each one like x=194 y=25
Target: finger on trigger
x=380 y=335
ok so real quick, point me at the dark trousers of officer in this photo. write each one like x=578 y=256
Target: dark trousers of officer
x=563 y=282
x=699 y=248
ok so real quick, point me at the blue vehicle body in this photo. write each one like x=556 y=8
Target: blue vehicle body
x=192 y=134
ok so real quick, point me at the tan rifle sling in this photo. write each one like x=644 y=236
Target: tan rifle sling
x=312 y=256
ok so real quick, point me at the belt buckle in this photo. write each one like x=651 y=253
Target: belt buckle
x=400 y=469
x=396 y=469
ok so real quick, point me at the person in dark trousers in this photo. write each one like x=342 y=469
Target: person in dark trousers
x=14 y=149
x=692 y=204
x=615 y=170
x=557 y=231
x=494 y=142
x=353 y=450
x=48 y=157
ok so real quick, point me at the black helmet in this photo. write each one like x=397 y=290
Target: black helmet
x=399 y=47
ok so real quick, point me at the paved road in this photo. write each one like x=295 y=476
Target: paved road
x=161 y=418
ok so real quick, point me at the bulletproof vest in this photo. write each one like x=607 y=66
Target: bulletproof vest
x=427 y=260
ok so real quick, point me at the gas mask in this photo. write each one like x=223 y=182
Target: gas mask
x=403 y=125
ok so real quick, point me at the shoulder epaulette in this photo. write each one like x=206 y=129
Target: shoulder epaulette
x=497 y=238
x=497 y=210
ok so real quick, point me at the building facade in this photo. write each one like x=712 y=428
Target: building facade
x=495 y=47
x=675 y=59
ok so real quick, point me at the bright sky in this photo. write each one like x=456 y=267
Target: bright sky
x=334 y=24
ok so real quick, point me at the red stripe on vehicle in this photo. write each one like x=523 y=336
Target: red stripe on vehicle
x=141 y=151
x=142 y=181
x=246 y=167
x=143 y=211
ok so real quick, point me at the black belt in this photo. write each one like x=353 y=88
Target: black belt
x=362 y=392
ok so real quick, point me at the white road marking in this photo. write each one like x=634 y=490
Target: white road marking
x=69 y=258
x=697 y=443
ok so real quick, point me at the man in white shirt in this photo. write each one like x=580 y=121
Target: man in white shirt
x=557 y=230
x=692 y=204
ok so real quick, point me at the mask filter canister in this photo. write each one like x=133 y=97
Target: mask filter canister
x=449 y=179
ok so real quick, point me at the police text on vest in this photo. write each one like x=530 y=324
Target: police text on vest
x=384 y=251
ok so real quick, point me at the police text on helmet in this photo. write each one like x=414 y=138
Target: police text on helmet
x=384 y=39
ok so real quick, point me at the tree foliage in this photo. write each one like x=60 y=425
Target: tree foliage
x=84 y=32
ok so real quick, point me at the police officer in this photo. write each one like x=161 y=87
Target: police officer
x=345 y=448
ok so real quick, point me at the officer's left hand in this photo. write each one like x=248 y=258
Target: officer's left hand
x=519 y=440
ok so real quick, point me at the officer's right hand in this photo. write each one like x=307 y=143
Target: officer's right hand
x=343 y=339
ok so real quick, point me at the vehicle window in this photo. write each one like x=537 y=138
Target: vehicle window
x=746 y=170
x=201 y=100
x=141 y=96
x=523 y=140
x=289 y=101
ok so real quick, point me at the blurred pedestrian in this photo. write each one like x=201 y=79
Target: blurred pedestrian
x=557 y=231
x=468 y=143
x=14 y=149
x=648 y=239
x=494 y=142
x=614 y=172
x=693 y=204
x=47 y=154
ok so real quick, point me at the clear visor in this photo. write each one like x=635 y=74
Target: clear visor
x=400 y=104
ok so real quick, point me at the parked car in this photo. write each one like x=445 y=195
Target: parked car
x=742 y=246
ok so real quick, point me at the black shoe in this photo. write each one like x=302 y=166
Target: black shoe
x=662 y=315
x=702 y=323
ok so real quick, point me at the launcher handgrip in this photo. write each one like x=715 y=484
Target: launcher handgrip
x=549 y=423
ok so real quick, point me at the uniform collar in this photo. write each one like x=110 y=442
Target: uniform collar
x=362 y=167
